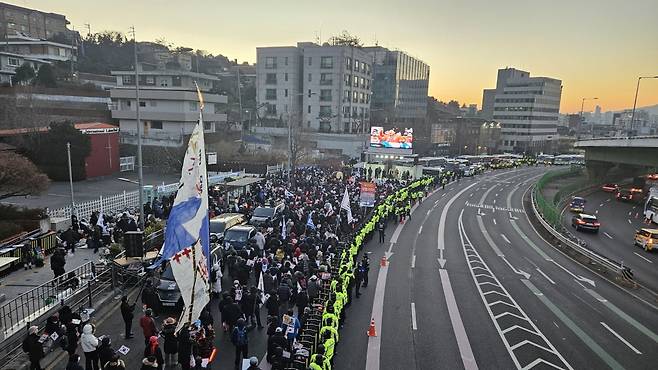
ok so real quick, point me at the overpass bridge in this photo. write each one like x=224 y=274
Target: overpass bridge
x=634 y=154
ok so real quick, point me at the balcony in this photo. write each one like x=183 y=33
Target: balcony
x=326 y=82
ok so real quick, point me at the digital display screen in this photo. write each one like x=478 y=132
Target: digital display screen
x=391 y=139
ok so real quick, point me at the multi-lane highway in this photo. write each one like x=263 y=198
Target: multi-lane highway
x=619 y=221
x=470 y=284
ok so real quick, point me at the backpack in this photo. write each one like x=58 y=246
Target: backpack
x=240 y=337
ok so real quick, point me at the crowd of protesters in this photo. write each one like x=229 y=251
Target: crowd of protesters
x=301 y=266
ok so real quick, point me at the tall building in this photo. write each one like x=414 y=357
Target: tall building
x=324 y=89
x=29 y=22
x=169 y=104
x=527 y=108
x=399 y=88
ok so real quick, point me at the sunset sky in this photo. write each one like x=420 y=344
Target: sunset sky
x=596 y=47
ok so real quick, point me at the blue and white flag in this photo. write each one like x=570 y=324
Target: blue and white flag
x=186 y=243
x=309 y=221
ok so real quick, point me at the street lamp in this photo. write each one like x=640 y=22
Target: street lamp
x=582 y=119
x=637 y=89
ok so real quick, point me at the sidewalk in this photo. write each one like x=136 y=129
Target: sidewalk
x=59 y=193
x=20 y=281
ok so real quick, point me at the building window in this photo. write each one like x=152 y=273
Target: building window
x=142 y=104
x=14 y=62
x=361 y=98
x=346 y=96
x=310 y=77
x=346 y=127
x=355 y=96
x=270 y=62
x=356 y=81
x=327 y=62
x=271 y=109
x=207 y=126
x=348 y=78
x=285 y=76
x=285 y=61
x=348 y=63
x=310 y=61
x=325 y=111
x=270 y=79
x=270 y=94
x=164 y=83
x=363 y=82
x=309 y=93
x=326 y=79
x=176 y=81
x=127 y=80
x=285 y=93
x=325 y=95
x=150 y=80
x=194 y=106
x=153 y=103
x=356 y=65
x=156 y=125
x=309 y=109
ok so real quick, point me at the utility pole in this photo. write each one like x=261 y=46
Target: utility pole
x=240 y=104
x=68 y=155
x=139 y=137
x=637 y=90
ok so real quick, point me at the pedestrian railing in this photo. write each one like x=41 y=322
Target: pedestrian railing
x=127 y=164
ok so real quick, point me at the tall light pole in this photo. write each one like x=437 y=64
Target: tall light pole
x=637 y=90
x=139 y=137
x=582 y=119
x=68 y=155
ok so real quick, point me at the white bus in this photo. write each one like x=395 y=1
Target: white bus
x=651 y=206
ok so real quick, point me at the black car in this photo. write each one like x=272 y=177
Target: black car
x=267 y=216
x=238 y=236
x=625 y=195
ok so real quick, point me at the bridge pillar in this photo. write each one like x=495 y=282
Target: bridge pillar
x=597 y=170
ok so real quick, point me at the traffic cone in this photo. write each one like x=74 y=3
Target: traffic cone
x=382 y=262
x=372 y=332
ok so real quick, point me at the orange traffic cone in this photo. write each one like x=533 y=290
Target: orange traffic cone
x=372 y=332
x=382 y=262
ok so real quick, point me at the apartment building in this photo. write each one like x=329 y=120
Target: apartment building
x=37 y=48
x=527 y=109
x=30 y=22
x=169 y=105
x=10 y=61
x=324 y=89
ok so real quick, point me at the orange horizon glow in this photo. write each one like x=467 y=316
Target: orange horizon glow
x=597 y=48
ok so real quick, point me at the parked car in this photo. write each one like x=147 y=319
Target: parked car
x=585 y=222
x=267 y=216
x=610 y=188
x=577 y=204
x=239 y=236
x=219 y=224
x=646 y=238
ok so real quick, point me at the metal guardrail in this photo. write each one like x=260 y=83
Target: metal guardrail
x=611 y=265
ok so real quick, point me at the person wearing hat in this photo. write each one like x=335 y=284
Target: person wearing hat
x=115 y=363
x=74 y=362
x=33 y=348
x=231 y=312
x=153 y=351
x=149 y=363
x=89 y=345
x=105 y=351
x=253 y=364
x=276 y=340
x=170 y=341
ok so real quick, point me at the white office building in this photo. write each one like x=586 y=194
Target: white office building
x=527 y=108
x=169 y=105
x=325 y=90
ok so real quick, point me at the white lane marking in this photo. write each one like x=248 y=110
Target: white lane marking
x=629 y=213
x=413 y=261
x=496 y=195
x=396 y=234
x=644 y=258
x=596 y=212
x=429 y=211
x=442 y=224
x=621 y=338
x=630 y=222
x=578 y=278
x=607 y=200
x=546 y=276
x=470 y=195
x=505 y=239
x=601 y=205
x=443 y=195
x=420 y=229
x=494 y=221
x=608 y=235
x=413 y=316
x=494 y=201
x=463 y=343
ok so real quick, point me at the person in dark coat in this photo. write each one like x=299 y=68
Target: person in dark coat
x=150 y=297
x=248 y=304
x=127 y=313
x=272 y=304
x=184 y=348
x=33 y=348
x=301 y=301
x=57 y=262
x=170 y=341
x=274 y=341
x=153 y=350
x=105 y=351
x=231 y=313
x=74 y=362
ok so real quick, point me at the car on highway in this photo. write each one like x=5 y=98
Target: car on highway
x=585 y=222
x=577 y=204
x=239 y=236
x=610 y=188
x=267 y=216
x=652 y=176
x=219 y=224
x=646 y=238
x=625 y=195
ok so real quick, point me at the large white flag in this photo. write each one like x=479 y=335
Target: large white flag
x=345 y=204
x=186 y=243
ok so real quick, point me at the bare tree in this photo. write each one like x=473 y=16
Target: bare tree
x=19 y=176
